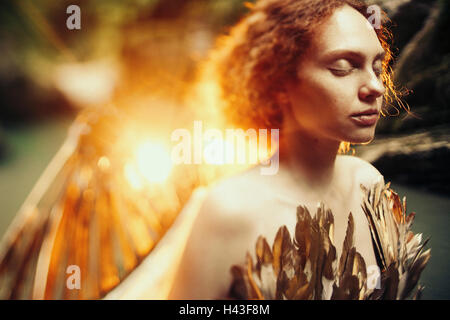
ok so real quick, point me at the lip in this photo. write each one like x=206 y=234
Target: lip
x=365 y=119
x=364 y=112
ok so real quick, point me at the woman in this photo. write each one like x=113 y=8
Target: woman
x=318 y=71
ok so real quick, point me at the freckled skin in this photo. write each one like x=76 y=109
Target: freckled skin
x=330 y=88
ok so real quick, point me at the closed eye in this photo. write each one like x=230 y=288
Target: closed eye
x=341 y=72
x=378 y=68
x=342 y=67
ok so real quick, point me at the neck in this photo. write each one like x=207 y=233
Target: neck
x=309 y=159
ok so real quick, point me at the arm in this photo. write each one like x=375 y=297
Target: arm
x=202 y=260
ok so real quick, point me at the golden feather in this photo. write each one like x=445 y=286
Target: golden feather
x=307 y=268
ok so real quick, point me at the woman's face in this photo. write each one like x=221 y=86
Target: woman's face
x=338 y=78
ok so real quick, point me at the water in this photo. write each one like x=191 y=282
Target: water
x=432 y=220
x=30 y=150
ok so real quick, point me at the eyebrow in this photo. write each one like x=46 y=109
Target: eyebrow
x=351 y=53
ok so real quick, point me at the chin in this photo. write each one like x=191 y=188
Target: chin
x=362 y=138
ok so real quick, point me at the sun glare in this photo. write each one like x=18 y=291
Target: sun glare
x=153 y=162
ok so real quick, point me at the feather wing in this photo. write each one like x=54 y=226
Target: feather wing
x=83 y=211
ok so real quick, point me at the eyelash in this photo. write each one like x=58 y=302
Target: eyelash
x=343 y=72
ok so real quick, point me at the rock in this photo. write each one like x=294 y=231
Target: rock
x=422 y=67
x=419 y=159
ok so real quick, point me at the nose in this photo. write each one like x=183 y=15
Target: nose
x=371 y=89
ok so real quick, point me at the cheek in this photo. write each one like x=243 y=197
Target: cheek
x=322 y=100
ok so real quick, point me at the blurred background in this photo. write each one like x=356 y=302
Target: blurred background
x=145 y=52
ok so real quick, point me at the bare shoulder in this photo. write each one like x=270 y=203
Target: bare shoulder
x=363 y=172
x=229 y=210
x=216 y=238
x=238 y=194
